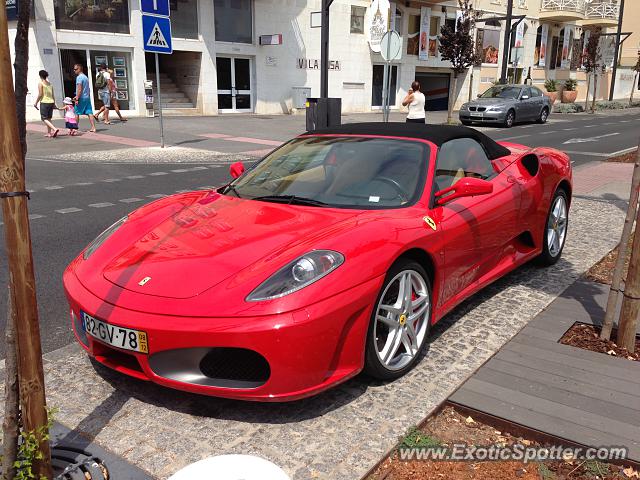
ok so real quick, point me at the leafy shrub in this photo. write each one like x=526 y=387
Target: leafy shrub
x=418 y=439
x=570 y=85
x=613 y=105
x=551 y=85
x=568 y=108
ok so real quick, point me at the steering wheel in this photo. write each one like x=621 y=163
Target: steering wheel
x=400 y=191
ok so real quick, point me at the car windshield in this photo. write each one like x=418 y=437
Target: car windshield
x=344 y=172
x=502 y=91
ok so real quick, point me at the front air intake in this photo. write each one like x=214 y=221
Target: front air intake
x=235 y=364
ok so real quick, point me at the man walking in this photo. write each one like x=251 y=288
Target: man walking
x=83 y=96
x=105 y=87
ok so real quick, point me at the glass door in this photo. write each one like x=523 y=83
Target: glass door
x=234 y=84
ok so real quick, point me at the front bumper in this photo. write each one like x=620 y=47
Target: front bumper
x=487 y=117
x=307 y=350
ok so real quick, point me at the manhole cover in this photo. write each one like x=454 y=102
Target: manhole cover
x=232 y=467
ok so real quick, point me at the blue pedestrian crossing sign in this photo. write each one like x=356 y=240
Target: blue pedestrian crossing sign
x=155 y=7
x=156 y=34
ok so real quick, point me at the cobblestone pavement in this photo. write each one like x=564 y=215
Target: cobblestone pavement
x=339 y=434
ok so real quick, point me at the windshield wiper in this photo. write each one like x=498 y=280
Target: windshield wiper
x=291 y=199
x=233 y=189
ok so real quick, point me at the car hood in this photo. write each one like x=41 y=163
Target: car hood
x=487 y=102
x=211 y=239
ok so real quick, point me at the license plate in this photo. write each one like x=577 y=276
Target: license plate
x=476 y=114
x=120 y=337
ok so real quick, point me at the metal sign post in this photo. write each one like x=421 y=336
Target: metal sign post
x=390 y=49
x=159 y=101
x=156 y=34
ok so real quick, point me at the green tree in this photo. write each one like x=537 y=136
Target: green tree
x=458 y=46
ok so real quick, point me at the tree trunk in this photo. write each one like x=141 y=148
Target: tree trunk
x=633 y=88
x=586 y=97
x=595 y=92
x=10 y=426
x=471 y=84
x=21 y=66
x=631 y=300
x=33 y=412
x=452 y=98
x=612 y=302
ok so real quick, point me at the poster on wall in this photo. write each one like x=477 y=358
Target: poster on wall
x=566 y=59
x=542 y=56
x=490 y=46
x=519 y=42
x=376 y=22
x=607 y=50
x=423 y=44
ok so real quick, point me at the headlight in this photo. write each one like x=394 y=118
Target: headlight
x=494 y=109
x=100 y=239
x=465 y=106
x=298 y=274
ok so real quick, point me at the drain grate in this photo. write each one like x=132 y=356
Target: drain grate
x=71 y=463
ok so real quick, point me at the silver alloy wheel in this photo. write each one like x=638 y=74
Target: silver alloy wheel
x=557 y=226
x=544 y=115
x=402 y=318
x=510 y=118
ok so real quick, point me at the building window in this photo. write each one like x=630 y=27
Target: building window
x=536 y=52
x=397 y=21
x=489 y=42
x=119 y=66
x=413 y=32
x=94 y=15
x=378 y=82
x=233 y=21
x=184 y=18
x=357 y=19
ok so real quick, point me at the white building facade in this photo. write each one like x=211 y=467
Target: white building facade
x=220 y=67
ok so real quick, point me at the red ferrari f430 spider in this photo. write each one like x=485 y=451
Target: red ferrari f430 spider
x=334 y=254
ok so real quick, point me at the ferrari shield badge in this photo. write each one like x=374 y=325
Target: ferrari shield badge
x=144 y=281
x=430 y=221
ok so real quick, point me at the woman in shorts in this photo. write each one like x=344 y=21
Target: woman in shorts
x=47 y=103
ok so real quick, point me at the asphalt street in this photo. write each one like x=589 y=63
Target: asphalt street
x=74 y=200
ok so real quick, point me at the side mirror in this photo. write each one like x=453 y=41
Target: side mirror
x=524 y=97
x=237 y=169
x=465 y=187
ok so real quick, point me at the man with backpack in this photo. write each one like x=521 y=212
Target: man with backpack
x=103 y=84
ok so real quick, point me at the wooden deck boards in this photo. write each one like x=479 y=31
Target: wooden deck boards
x=580 y=396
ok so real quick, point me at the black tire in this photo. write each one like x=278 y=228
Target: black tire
x=510 y=119
x=546 y=258
x=373 y=365
x=544 y=115
x=466 y=122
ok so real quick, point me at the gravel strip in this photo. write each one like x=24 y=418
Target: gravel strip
x=155 y=155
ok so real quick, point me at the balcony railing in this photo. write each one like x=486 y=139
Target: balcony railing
x=563 y=5
x=594 y=9
x=603 y=10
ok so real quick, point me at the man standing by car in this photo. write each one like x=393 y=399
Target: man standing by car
x=105 y=86
x=83 y=96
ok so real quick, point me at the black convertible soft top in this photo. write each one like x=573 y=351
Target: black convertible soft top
x=437 y=134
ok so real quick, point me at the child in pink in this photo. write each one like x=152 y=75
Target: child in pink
x=70 y=119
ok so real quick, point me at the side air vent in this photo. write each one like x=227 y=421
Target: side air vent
x=532 y=164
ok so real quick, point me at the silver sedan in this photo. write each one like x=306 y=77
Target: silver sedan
x=507 y=104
